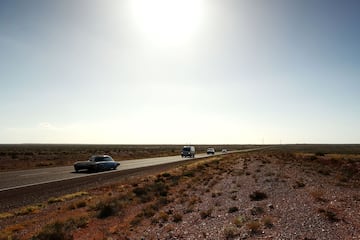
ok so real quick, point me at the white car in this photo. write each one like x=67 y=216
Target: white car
x=224 y=150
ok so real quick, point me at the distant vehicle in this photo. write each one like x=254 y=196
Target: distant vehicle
x=210 y=150
x=97 y=163
x=188 y=151
x=224 y=150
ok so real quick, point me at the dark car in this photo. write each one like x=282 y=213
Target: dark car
x=188 y=151
x=97 y=163
x=210 y=150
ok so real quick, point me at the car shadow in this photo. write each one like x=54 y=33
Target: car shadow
x=90 y=171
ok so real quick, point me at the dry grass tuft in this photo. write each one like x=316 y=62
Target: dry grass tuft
x=230 y=232
x=254 y=226
x=318 y=195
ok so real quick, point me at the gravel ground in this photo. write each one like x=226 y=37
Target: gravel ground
x=300 y=204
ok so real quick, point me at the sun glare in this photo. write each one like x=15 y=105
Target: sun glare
x=169 y=22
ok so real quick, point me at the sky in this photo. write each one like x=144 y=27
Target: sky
x=179 y=71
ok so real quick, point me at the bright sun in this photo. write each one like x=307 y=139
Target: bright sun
x=169 y=22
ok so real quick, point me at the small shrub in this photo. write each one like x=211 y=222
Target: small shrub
x=239 y=221
x=233 y=209
x=230 y=232
x=257 y=196
x=163 y=216
x=298 y=184
x=174 y=180
x=205 y=214
x=139 y=191
x=66 y=197
x=329 y=214
x=55 y=231
x=154 y=221
x=149 y=211
x=79 y=222
x=81 y=204
x=189 y=174
x=61 y=230
x=189 y=209
x=257 y=211
x=108 y=208
x=163 y=201
x=142 y=194
x=6 y=215
x=318 y=195
x=159 y=189
x=193 y=200
x=166 y=175
x=325 y=172
x=137 y=219
x=26 y=210
x=177 y=217
x=268 y=221
x=54 y=200
x=253 y=226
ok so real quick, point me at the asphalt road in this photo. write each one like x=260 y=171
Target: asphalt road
x=23 y=178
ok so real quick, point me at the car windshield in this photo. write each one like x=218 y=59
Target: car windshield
x=186 y=149
x=101 y=159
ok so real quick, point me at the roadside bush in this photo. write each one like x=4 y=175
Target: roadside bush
x=81 y=204
x=142 y=194
x=318 y=195
x=257 y=211
x=257 y=196
x=189 y=174
x=163 y=216
x=149 y=211
x=55 y=231
x=239 y=221
x=61 y=230
x=299 y=184
x=177 y=217
x=230 y=232
x=268 y=221
x=205 y=214
x=329 y=214
x=254 y=226
x=108 y=208
x=166 y=175
x=233 y=209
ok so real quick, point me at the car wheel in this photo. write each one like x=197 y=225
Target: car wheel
x=99 y=168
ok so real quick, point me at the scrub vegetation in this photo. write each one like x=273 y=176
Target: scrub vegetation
x=276 y=193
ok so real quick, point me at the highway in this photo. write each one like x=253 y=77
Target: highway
x=24 y=178
x=20 y=188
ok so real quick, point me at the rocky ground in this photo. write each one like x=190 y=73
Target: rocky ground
x=259 y=195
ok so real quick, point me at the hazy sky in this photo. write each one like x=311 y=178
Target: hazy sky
x=179 y=71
